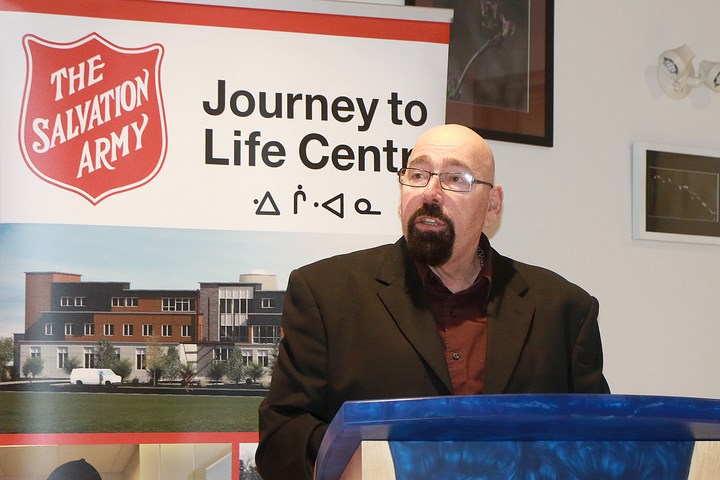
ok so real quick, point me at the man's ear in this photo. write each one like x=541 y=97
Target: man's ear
x=494 y=206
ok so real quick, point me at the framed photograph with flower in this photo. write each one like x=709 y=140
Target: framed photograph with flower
x=500 y=68
x=676 y=194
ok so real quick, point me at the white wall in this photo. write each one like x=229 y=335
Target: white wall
x=569 y=207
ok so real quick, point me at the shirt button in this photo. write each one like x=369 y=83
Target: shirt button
x=456 y=356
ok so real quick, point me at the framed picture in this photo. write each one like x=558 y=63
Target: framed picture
x=676 y=194
x=500 y=68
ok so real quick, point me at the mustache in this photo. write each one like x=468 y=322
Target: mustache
x=430 y=210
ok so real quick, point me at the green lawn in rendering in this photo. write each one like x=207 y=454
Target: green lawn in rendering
x=68 y=412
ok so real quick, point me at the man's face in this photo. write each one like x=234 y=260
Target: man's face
x=438 y=224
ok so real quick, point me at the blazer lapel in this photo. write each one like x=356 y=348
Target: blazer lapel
x=509 y=318
x=402 y=294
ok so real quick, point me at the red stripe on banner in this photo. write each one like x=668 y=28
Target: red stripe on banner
x=233 y=438
x=238 y=17
x=126 y=438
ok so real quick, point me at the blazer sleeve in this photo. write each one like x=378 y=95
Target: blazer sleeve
x=587 y=356
x=292 y=417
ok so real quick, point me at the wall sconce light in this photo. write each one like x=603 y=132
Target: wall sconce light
x=677 y=75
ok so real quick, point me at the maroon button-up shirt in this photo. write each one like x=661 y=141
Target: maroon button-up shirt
x=461 y=319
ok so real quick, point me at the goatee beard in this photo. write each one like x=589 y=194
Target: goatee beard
x=431 y=248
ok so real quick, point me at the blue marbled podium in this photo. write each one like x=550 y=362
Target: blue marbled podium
x=527 y=437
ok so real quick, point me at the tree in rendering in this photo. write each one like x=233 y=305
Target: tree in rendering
x=71 y=363
x=7 y=347
x=235 y=368
x=123 y=368
x=217 y=370
x=154 y=360
x=173 y=364
x=105 y=355
x=33 y=367
x=255 y=371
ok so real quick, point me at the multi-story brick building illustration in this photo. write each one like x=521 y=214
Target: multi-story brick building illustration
x=66 y=317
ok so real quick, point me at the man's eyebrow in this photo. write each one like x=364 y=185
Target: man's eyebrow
x=454 y=162
x=419 y=159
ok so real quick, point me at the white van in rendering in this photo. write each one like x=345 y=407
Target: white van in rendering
x=94 y=376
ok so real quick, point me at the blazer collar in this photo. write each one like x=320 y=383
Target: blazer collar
x=510 y=315
x=402 y=294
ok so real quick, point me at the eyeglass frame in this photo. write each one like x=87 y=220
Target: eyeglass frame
x=468 y=176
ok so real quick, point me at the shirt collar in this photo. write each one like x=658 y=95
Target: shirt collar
x=426 y=275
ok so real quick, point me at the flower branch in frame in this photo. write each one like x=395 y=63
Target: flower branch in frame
x=498 y=31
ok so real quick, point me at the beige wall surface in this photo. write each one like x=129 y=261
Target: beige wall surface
x=569 y=207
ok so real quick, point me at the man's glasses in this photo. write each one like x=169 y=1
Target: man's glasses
x=451 y=181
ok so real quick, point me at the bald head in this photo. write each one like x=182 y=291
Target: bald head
x=451 y=140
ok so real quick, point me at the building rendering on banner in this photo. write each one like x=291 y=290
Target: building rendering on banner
x=67 y=318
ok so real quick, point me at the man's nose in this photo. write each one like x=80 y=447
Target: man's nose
x=433 y=190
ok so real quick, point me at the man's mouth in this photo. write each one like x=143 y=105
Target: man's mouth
x=430 y=221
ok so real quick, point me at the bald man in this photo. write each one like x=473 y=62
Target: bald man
x=439 y=312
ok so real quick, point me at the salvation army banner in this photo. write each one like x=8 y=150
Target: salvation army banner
x=163 y=168
x=294 y=125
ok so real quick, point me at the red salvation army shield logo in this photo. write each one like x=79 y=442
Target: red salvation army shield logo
x=92 y=118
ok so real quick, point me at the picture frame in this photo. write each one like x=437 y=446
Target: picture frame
x=505 y=92
x=675 y=194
